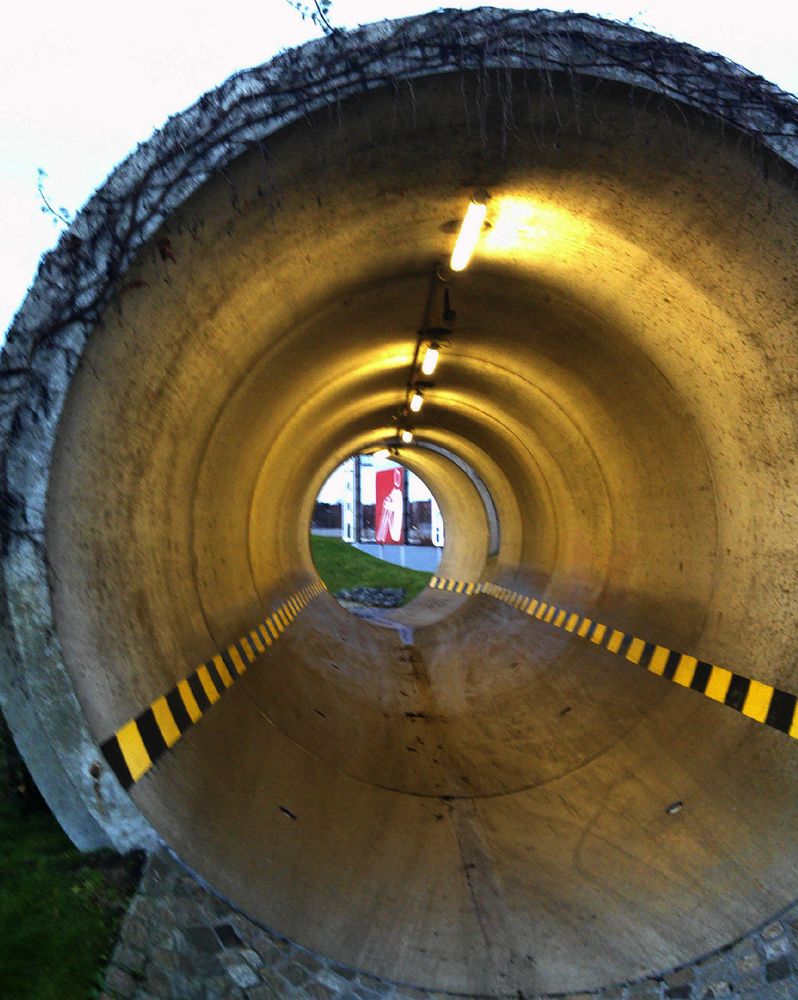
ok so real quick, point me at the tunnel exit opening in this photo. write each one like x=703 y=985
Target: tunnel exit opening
x=376 y=533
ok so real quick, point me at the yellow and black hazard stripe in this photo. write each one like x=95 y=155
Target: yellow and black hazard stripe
x=455 y=586
x=754 y=699
x=137 y=745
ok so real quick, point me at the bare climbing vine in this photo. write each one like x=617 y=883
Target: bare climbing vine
x=58 y=215
x=318 y=13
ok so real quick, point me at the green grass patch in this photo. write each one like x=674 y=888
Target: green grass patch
x=60 y=910
x=341 y=566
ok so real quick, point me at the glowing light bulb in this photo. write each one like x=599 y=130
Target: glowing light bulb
x=469 y=234
x=382 y=453
x=407 y=436
x=430 y=359
x=416 y=401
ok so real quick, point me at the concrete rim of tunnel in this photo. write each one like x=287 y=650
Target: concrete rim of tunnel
x=80 y=278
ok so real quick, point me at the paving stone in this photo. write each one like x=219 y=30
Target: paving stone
x=262 y=941
x=179 y=940
x=294 y=974
x=748 y=985
x=157 y=982
x=281 y=943
x=120 y=983
x=748 y=962
x=318 y=991
x=187 y=886
x=344 y=972
x=160 y=914
x=269 y=985
x=244 y=927
x=199 y=965
x=266 y=992
x=715 y=967
x=367 y=993
x=329 y=978
x=681 y=977
x=186 y=912
x=202 y=939
x=371 y=981
x=230 y=956
x=166 y=959
x=683 y=992
x=228 y=936
x=136 y=933
x=139 y=906
x=307 y=961
x=160 y=869
x=267 y=950
x=645 y=991
x=780 y=991
x=129 y=958
x=184 y=988
x=717 y=991
x=216 y=988
x=216 y=906
x=251 y=957
x=776 y=948
x=778 y=970
x=243 y=975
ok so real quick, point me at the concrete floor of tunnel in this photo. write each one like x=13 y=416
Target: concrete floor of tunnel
x=409 y=807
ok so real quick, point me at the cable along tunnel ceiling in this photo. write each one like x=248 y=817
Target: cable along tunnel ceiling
x=484 y=810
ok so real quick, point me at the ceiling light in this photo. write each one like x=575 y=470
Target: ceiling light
x=469 y=231
x=430 y=359
x=407 y=436
x=416 y=401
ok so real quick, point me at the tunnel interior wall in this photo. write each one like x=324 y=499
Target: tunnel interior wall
x=192 y=486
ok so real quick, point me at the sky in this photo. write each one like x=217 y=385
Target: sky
x=82 y=83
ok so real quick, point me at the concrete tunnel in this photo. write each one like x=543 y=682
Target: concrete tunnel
x=511 y=800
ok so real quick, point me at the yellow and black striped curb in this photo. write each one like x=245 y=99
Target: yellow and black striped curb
x=135 y=747
x=761 y=702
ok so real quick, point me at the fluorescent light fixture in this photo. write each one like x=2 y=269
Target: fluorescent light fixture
x=407 y=436
x=382 y=453
x=430 y=359
x=469 y=232
x=416 y=401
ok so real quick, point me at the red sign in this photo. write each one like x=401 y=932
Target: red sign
x=390 y=506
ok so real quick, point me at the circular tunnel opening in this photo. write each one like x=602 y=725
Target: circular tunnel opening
x=482 y=802
x=376 y=535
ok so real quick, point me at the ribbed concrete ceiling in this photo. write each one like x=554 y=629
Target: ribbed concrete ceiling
x=484 y=811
